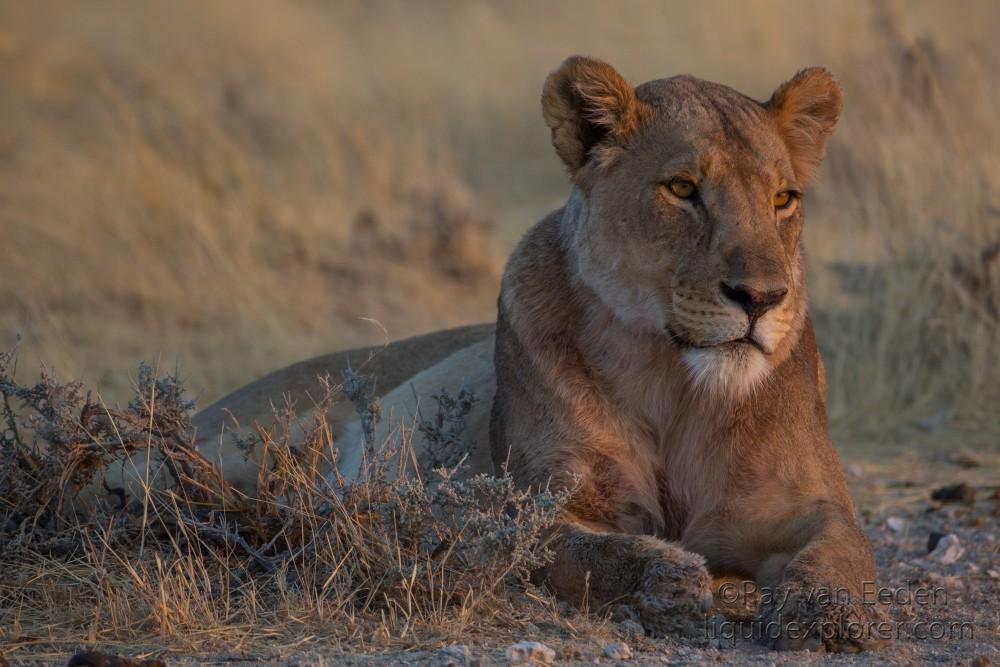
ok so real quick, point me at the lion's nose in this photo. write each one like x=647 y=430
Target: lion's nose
x=754 y=301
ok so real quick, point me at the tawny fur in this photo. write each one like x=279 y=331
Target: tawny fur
x=624 y=367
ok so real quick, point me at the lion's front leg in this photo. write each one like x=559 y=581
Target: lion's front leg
x=666 y=586
x=817 y=600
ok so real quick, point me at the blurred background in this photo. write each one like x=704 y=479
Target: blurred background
x=232 y=186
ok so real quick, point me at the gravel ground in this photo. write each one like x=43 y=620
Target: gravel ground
x=947 y=602
x=939 y=559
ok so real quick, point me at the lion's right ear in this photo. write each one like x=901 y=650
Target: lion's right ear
x=806 y=109
x=585 y=101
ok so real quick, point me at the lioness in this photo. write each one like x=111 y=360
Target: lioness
x=654 y=351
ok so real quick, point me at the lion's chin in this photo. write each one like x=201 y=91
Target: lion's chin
x=731 y=370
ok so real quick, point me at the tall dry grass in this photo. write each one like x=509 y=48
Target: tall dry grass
x=172 y=184
x=236 y=185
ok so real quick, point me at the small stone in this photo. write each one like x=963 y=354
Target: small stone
x=896 y=524
x=456 y=654
x=933 y=539
x=529 y=652
x=632 y=628
x=948 y=550
x=531 y=629
x=306 y=661
x=981 y=661
x=947 y=582
x=618 y=651
x=955 y=493
x=993 y=574
x=570 y=652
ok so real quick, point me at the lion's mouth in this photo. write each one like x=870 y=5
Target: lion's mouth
x=735 y=343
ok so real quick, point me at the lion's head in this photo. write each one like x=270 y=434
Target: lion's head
x=688 y=217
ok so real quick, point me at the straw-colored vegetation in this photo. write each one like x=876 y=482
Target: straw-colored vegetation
x=236 y=186
x=376 y=561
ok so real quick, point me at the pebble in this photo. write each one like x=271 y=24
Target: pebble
x=981 y=661
x=618 y=651
x=527 y=652
x=955 y=493
x=632 y=628
x=948 y=550
x=896 y=524
x=457 y=654
x=948 y=582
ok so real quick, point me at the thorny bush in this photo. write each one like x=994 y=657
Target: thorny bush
x=382 y=550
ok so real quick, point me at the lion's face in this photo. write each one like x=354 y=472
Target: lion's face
x=688 y=217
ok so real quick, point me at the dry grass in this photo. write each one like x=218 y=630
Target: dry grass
x=236 y=185
x=218 y=204
x=237 y=199
x=907 y=253
x=375 y=562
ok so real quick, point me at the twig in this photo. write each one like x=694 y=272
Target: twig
x=229 y=538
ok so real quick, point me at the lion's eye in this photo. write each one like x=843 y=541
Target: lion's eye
x=783 y=199
x=682 y=188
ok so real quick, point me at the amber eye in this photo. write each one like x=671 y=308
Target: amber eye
x=783 y=199
x=682 y=188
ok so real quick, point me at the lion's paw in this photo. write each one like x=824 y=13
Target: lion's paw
x=674 y=592
x=797 y=617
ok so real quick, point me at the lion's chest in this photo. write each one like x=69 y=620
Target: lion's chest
x=677 y=463
x=656 y=446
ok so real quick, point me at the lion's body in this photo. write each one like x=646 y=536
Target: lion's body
x=653 y=351
x=300 y=386
x=387 y=366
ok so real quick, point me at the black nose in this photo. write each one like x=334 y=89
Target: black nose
x=755 y=302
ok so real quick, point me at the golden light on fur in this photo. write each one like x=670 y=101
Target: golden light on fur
x=663 y=355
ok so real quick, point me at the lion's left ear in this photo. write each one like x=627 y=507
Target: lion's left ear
x=806 y=109
x=584 y=102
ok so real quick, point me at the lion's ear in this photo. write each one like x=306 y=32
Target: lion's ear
x=584 y=101
x=806 y=109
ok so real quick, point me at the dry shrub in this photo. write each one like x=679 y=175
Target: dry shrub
x=378 y=561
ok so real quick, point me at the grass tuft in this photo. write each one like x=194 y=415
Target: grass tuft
x=381 y=560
